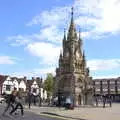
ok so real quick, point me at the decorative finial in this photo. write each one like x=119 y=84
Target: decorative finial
x=60 y=53
x=83 y=54
x=64 y=31
x=72 y=12
x=79 y=33
x=64 y=34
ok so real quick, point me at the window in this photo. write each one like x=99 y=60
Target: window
x=7 y=87
x=19 y=89
x=105 y=89
x=97 y=83
x=34 y=90
x=104 y=82
x=97 y=89
x=112 y=82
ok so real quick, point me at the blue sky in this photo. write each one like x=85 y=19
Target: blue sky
x=31 y=35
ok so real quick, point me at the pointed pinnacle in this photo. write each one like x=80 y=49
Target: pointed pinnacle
x=64 y=34
x=79 y=34
x=72 y=12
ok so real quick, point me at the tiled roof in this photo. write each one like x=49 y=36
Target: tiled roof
x=2 y=78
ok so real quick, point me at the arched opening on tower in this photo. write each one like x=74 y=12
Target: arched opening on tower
x=79 y=99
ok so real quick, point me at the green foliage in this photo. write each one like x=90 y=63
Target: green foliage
x=48 y=84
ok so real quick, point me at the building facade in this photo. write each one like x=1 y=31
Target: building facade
x=109 y=86
x=34 y=86
x=72 y=76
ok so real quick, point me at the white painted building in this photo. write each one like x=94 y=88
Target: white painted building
x=22 y=84
x=7 y=86
x=35 y=88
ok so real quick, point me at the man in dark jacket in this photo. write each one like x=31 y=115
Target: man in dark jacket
x=18 y=104
x=10 y=99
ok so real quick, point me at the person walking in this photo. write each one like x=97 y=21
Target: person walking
x=110 y=100
x=104 y=100
x=10 y=99
x=29 y=97
x=18 y=104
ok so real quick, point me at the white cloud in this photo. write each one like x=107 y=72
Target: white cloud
x=96 y=65
x=21 y=39
x=47 y=52
x=56 y=16
x=101 y=15
x=6 y=60
x=37 y=72
x=51 y=34
x=98 y=17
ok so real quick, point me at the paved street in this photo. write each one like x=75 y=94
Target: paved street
x=79 y=113
x=27 y=116
x=84 y=113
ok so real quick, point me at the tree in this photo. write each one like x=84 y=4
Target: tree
x=48 y=84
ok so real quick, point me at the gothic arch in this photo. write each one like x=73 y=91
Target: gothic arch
x=79 y=99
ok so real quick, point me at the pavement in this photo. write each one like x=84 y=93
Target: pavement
x=81 y=113
x=27 y=115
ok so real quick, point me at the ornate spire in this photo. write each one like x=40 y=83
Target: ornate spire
x=83 y=55
x=72 y=31
x=72 y=13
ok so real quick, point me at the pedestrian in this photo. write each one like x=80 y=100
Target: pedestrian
x=104 y=101
x=29 y=96
x=110 y=101
x=96 y=100
x=10 y=99
x=18 y=104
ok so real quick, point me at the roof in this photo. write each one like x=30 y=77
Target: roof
x=2 y=78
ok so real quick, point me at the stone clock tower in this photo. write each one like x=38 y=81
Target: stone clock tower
x=72 y=77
